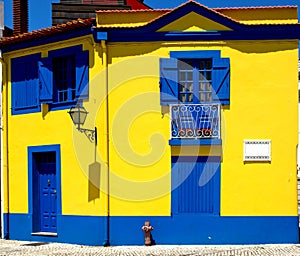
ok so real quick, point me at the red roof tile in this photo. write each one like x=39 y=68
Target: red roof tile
x=256 y=7
x=133 y=11
x=60 y=28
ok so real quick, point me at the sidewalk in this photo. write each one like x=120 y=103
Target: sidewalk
x=8 y=247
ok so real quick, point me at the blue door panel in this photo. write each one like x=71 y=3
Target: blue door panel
x=47 y=200
x=195 y=185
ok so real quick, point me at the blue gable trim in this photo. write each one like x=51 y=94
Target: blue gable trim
x=187 y=8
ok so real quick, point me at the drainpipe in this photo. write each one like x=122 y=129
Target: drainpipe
x=101 y=37
x=4 y=133
x=105 y=64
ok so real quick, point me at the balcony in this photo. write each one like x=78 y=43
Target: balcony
x=195 y=121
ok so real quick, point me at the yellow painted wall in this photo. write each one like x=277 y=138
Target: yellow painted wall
x=263 y=105
x=261 y=96
x=56 y=127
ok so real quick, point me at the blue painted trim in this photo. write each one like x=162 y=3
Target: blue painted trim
x=193 y=159
x=188 y=8
x=61 y=106
x=38 y=149
x=26 y=110
x=86 y=230
x=65 y=51
x=285 y=32
x=204 y=54
x=98 y=36
x=191 y=142
x=47 y=40
x=193 y=229
x=5 y=217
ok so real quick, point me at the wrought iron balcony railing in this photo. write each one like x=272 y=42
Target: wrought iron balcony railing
x=195 y=121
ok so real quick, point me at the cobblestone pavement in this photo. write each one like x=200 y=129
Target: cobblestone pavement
x=8 y=247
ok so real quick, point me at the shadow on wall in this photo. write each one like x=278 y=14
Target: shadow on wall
x=260 y=46
x=94 y=181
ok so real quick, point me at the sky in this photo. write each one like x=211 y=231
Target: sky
x=40 y=10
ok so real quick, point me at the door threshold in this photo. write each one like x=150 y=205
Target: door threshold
x=44 y=234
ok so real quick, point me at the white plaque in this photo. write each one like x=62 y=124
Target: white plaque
x=257 y=150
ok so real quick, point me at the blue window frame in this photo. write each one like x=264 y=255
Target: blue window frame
x=53 y=154
x=58 y=80
x=64 y=77
x=195 y=77
x=25 y=84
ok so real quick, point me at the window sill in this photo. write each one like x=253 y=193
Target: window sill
x=191 y=142
x=44 y=234
x=25 y=110
x=61 y=106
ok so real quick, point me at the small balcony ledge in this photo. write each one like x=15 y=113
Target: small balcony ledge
x=194 y=142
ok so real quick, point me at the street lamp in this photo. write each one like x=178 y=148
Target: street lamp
x=78 y=115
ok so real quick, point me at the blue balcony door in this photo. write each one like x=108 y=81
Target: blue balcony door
x=196 y=185
x=45 y=198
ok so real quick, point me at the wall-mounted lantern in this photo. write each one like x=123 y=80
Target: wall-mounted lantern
x=78 y=115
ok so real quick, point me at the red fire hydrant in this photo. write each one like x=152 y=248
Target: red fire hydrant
x=147 y=230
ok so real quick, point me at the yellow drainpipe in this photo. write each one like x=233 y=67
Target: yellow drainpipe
x=105 y=64
x=4 y=150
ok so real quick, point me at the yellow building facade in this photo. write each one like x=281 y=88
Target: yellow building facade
x=191 y=124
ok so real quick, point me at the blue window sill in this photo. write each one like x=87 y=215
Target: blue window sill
x=61 y=106
x=25 y=110
x=191 y=142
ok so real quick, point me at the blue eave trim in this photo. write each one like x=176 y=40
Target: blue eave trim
x=47 y=40
x=246 y=32
x=195 y=54
x=191 y=142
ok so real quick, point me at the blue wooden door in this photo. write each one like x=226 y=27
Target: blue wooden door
x=47 y=191
x=195 y=185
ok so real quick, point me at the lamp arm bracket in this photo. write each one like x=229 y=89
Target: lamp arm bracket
x=90 y=134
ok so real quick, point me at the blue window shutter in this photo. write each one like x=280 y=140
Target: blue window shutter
x=221 y=80
x=32 y=85
x=46 y=80
x=168 y=81
x=18 y=76
x=82 y=74
x=24 y=77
